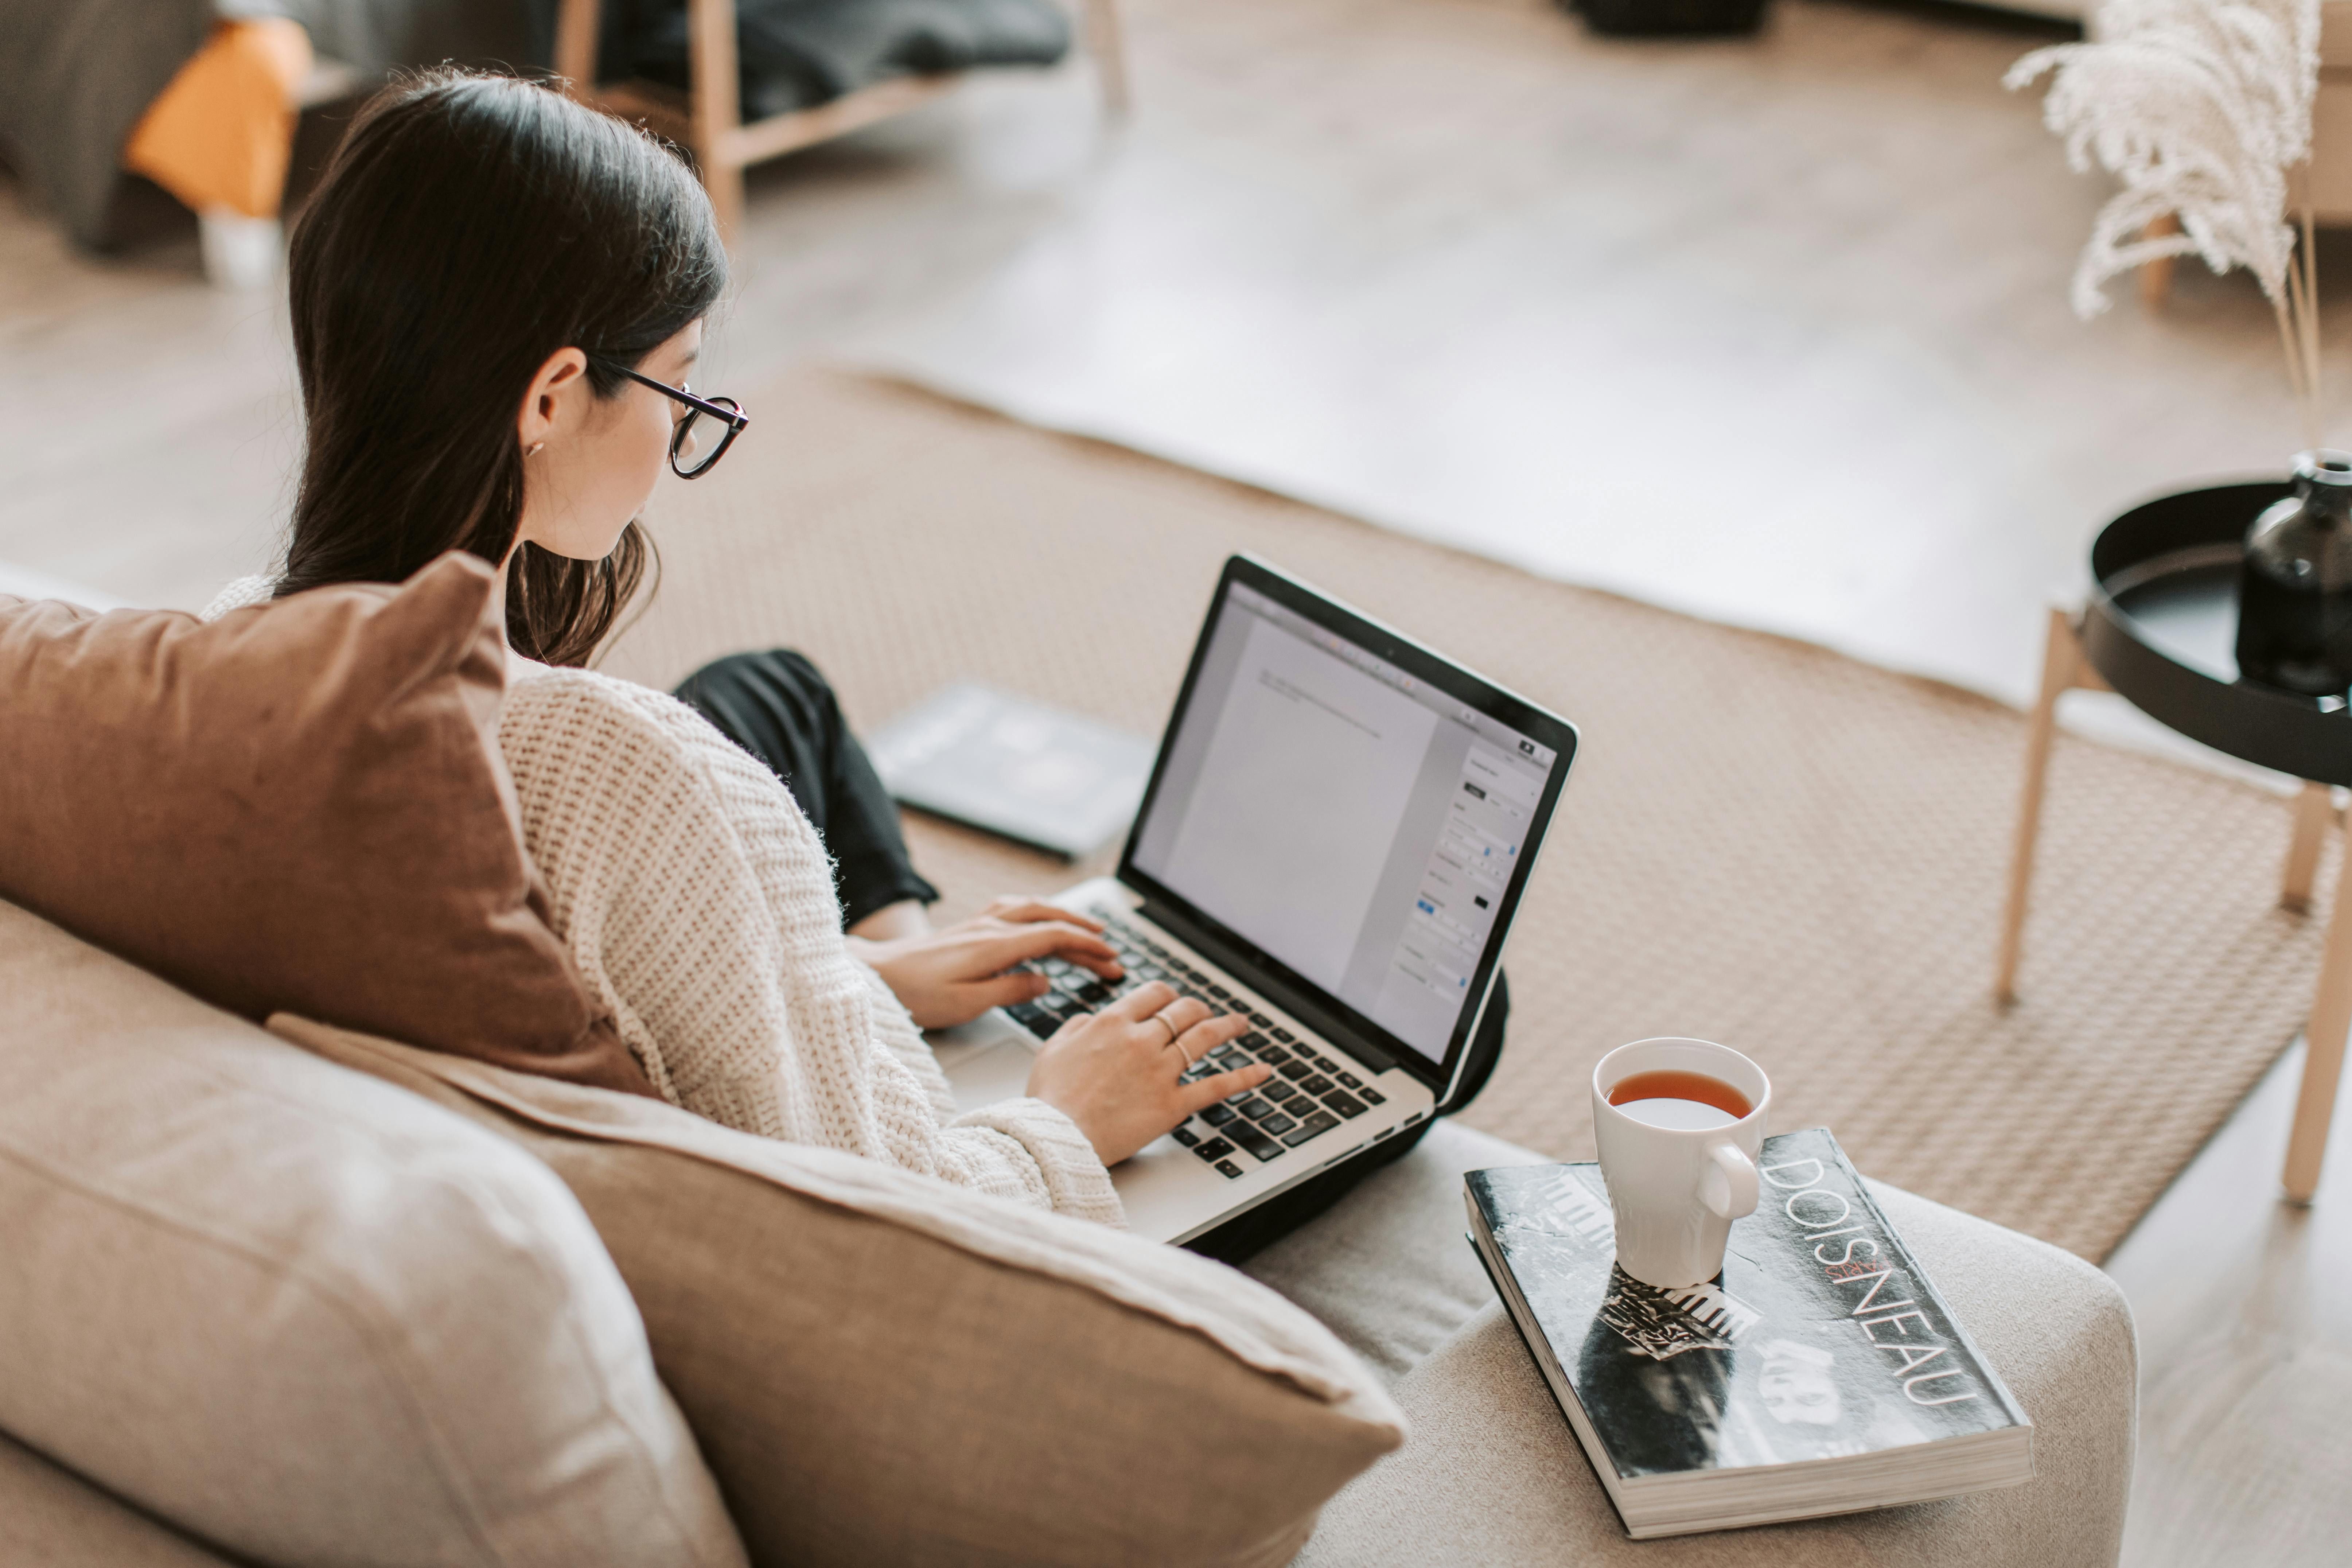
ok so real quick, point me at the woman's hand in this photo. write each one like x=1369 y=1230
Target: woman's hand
x=1114 y=1072
x=952 y=976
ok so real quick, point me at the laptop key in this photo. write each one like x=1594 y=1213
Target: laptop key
x=1256 y=1141
x=1294 y=1070
x=1346 y=1105
x=1372 y=1095
x=1274 y=1089
x=1185 y=1136
x=1277 y=1124
x=1273 y=1055
x=1318 y=1085
x=1315 y=1126
x=1284 y=1036
x=1228 y=1170
x=1349 y=1081
x=1261 y=1020
x=1221 y=993
x=1328 y=1065
x=1218 y=1115
x=1214 y=1150
x=1251 y=1106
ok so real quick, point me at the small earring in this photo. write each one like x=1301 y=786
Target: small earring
x=534 y=448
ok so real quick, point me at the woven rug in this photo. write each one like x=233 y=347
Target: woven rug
x=1761 y=843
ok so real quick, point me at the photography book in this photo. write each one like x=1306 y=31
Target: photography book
x=1010 y=766
x=1820 y=1372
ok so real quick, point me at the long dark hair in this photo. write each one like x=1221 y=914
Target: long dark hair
x=467 y=228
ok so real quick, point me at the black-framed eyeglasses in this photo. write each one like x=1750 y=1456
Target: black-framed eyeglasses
x=703 y=432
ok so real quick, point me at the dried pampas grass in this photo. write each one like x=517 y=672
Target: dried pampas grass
x=2202 y=108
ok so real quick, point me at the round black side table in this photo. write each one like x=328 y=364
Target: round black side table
x=2161 y=630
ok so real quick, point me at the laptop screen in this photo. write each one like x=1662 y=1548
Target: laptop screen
x=1342 y=814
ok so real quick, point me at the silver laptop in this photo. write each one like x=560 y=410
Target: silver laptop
x=1337 y=829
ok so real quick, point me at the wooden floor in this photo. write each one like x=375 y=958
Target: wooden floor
x=2244 y=1305
x=1334 y=245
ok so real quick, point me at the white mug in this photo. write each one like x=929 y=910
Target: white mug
x=1675 y=1191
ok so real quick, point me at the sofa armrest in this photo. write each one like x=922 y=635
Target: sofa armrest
x=1492 y=1475
x=52 y=1517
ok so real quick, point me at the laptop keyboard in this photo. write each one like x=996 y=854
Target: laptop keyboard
x=1308 y=1095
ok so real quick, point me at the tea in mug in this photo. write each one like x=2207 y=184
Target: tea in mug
x=1685 y=1101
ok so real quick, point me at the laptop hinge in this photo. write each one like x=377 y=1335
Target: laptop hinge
x=1469 y=1039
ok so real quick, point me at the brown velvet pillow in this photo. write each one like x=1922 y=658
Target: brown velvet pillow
x=299 y=806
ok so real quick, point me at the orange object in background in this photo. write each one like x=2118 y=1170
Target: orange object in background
x=222 y=134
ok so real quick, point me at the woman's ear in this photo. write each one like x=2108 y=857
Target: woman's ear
x=556 y=400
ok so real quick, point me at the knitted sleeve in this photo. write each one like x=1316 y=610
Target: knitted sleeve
x=698 y=904
x=244 y=591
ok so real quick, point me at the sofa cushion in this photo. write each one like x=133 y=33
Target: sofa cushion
x=1386 y=1268
x=300 y=805
x=883 y=1368
x=303 y=1316
x=54 y=1518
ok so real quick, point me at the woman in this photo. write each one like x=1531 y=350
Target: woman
x=498 y=298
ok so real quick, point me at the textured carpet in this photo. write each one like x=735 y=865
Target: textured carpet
x=1761 y=843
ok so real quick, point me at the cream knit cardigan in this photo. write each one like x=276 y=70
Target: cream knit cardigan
x=698 y=904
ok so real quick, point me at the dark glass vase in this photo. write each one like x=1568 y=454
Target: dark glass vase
x=2295 y=592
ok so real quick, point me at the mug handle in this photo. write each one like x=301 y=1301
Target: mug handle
x=1727 y=1186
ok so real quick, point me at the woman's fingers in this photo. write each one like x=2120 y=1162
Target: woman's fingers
x=1142 y=1002
x=1050 y=940
x=1005 y=990
x=1199 y=1096
x=1198 y=1033
x=1019 y=910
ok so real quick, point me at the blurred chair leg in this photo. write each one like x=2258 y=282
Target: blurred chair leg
x=1107 y=41
x=717 y=109
x=576 y=26
x=724 y=181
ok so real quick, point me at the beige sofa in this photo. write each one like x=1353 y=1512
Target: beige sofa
x=1488 y=1474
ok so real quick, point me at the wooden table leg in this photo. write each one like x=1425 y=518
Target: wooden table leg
x=2315 y=812
x=2323 y=1062
x=2061 y=671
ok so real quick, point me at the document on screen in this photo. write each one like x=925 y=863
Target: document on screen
x=1305 y=780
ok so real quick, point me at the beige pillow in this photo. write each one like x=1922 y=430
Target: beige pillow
x=885 y=1369
x=304 y=1316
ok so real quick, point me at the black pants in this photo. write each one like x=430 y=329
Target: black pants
x=778 y=708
